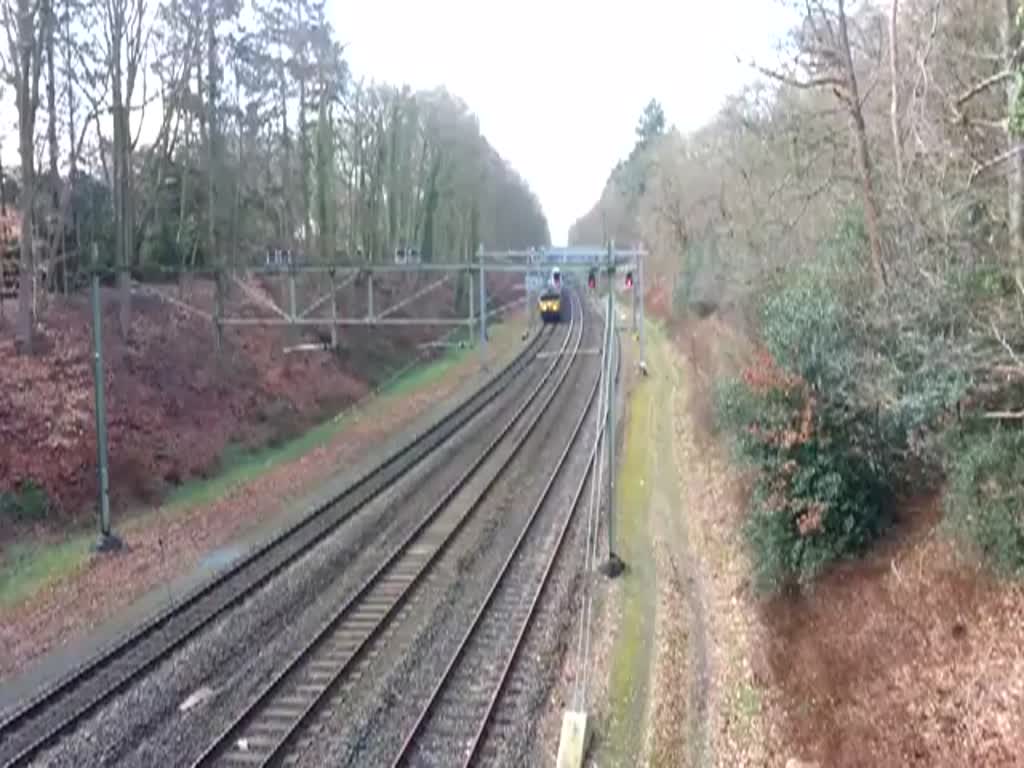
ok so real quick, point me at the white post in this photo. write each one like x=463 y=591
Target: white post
x=483 y=305
x=334 y=310
x=633 y=298
x=470 y=319
x=640 y=259
x=369 y=297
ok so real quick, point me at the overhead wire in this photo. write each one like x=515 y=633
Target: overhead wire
x=593 y=527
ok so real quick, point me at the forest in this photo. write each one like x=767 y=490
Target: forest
x=857 y=215
x=202 y=134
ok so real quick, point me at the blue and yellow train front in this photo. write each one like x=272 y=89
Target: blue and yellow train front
x=550 y=305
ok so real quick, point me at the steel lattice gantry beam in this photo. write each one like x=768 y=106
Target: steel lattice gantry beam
x=343 y=273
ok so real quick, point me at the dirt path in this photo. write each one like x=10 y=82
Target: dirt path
x=682 y=684
x=167 y=543
x=682 y=669
x=736 y=707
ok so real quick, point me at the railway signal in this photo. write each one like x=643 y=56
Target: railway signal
x=629 y=279
x=592 y=280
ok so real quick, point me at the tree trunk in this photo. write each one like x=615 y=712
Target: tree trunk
x=72 y=147
x=286 y=169
x=304 y=162
x=355 y=219
x=894 y=102
x=51 y=104
x=56 y=235
x=185 y=172
x=378 y=183
x=393 y=196
x=416 y=208
x=212 y=164
x=27 y=82
x=1015 y=171
x=872 y=217
x=121 y=246
x=211 y=137
x=26 y=315
x=123 y=224
x=236 y=212
x=324 y=175
x=430 y=207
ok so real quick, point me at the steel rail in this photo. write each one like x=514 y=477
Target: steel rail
x=348 y=633
x=429 y=708
x=477 y=742
x=360 y=492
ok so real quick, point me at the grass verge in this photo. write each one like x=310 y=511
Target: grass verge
x=239 y=466
x=633 y=647
x=27 y=567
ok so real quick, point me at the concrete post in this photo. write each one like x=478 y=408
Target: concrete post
x=218 y=309
x=633 y=300
x=291 y=293
x=334 y=310
x=295 y=332
x=528 y=278
x=369 y=296
x=483 y=305
x=470 y=320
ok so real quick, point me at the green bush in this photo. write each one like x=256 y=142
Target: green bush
x=984 y=498
x=27 y=503
x=816 y=497
x=825 y=414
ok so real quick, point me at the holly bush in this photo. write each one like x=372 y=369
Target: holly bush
x=824 y=413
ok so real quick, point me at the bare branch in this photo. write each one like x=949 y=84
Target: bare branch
x=923 y=60
x=998 y=159
x=814 y=82
x=1004 y=415
x=995 y=125
x=983 y=85
x=1006 y=345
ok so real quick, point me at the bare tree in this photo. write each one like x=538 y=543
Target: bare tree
x=824 y=52
x=21 y=20
x=1011 y=122
x=126 y=34
x=894 y=104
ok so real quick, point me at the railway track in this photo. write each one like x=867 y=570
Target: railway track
x=58 y=709
x=451 y=726
x=498 y=727
x=266 y=730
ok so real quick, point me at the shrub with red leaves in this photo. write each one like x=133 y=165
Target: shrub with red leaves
x=815 y=499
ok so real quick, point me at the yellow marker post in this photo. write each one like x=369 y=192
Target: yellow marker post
x=572 y=744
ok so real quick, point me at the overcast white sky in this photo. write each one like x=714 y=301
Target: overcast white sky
x=559 y=85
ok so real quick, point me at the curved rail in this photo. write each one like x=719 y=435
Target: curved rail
x=262 y=733
x=515 y=603
x=69 y=700
x=476 y=743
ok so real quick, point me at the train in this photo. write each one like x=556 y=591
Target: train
x=550 y=301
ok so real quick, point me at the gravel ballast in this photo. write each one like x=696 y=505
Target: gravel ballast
x=237 y=654
x=368 y=727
